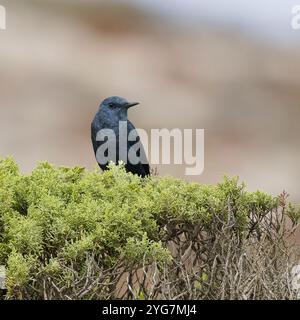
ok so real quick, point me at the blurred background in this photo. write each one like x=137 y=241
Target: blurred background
x=230 y=67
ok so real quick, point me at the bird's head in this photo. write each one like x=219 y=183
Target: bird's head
x=116 y=107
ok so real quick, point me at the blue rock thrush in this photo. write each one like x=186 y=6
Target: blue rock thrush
x=111 y=113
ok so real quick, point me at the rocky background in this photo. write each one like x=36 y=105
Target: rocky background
x=59 y=59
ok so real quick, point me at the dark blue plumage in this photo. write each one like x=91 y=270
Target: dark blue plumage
x=111 y=111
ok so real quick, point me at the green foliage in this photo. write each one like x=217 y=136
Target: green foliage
x=52 y=219
x=18 y=272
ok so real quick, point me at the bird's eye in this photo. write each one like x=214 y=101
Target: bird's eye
x=111 y=105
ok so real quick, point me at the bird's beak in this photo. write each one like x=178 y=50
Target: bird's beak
x=132 y=104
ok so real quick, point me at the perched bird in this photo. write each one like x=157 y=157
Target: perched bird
x=112 y=111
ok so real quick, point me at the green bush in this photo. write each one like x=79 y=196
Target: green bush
x=66 y=233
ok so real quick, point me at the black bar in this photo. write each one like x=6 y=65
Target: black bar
x=146 y=309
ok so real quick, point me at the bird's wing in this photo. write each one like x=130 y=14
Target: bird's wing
x=143 y=168
x=94 y=131
x=146 y=169
x=96 y=144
